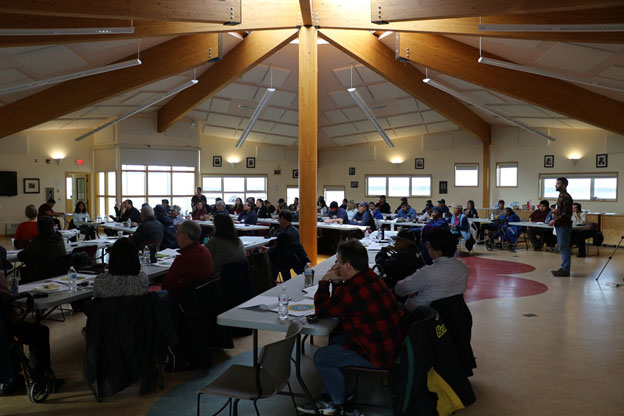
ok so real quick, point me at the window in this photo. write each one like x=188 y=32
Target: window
x=467 y=174
x=398 y=186
x=507 y=174
x=334 y=193
x=292 y=192
x=582 y=187
x=229 y=188
x=154 y=183
x=106 y=193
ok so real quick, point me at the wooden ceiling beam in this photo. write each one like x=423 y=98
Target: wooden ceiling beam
x=405 y=10
x=367 y=49
x=254 y=49
x=207 y=11
x=349 y=14
x=306 y=12
x=460 y=61
x=159 y=62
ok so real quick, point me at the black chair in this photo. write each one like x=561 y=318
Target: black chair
x=237 y=288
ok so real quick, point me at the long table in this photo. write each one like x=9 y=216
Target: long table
x=237 y=226
x=320 y=225
x=69 y=247
x=119 y=226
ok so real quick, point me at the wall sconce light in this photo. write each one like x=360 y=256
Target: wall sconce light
x=233 y=161
x=396 y=161
x=58 y=157
x=574 y=158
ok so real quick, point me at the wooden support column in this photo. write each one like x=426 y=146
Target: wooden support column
x=308 y=138
x=486 y=175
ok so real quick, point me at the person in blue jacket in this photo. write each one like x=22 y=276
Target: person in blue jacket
x=375 y=211
x=248 y=216
x=364 y=217
x=406 y=213
x=460 y=226
x=437 y=221
x=510 y=233
x=336 y=214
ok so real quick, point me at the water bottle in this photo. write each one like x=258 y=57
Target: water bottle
x=282 y=309
x=308 y=275
x=72 y=279
x=129 y=223
x=146 y=255
x=367 y=235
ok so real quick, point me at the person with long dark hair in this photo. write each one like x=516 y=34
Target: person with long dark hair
x=225 y=246
x=124 y=276
x=80 y=217
x=238 y=206
x=43 y=253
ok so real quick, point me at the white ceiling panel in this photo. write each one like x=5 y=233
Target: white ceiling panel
x=410 y=131
x=199 y=115
x=51 y=60
x=367 y=75
x=139 y=98
x=366 y=94
x=615 y=72
x=283 y=98
x=78 y=113
x=83 y=123
x=205 y=105
x=223 y=120
x=12 y=76
x=405 y=120
x=487 y=97
x=336 y=116
x=345 y=74
x=280 y=140
x=118 y=99
x=407 y=105
x=276 y=77
x=51 y=125
x=291 y=117
x=575 y=124
x=364 y=126
x=568 y=57
x=437 y=127
x=107 y=111
x=513 y=43
x=273 y=113
x=347 y=140
x=432 y=116
x=374 y=136
x=386 y=91
x=238 y=91
x=219 y=105
x=286 y=130
x=260 y=125
x=219 y=131
x=341 y=98
x=253 y=136
x=339 y=130
x=353 y=113
x=519 y=110
x=256 y=74
x=611 y=47
x=542 y=122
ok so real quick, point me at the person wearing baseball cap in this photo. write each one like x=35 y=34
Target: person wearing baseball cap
x=364 y=217
x=444 y=208
x=437 y=221
x=336 y=214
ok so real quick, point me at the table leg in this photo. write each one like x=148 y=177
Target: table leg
x=300 y=378
x=255 y=347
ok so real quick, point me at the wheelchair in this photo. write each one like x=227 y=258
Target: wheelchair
x=38 y=387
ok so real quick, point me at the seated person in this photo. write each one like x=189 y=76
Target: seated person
x=538 y=236
x=352 y=209
x=287 y=253
x=261 y=210
x=238 y=206
x=169 y=230
x=321 y=206
x=470 y=210
x=364 y=217
x=370 y=317
x=427 y=215
x=404 y=199
x=225 y=246
x=398 y=261
x=580 y=232
x=165 y=203
x=510 y=233
x=47 y=209
x=345 y=204
x=406 y=213
x=80 y=217
x=198 y=197
x=460 y=227
x=269 y=207
x=446 y=213
x=248 y=216
x=176 y=216
x=193 y=263
x=27 y=230
x=124 y=276
x=129 y=212
x=336 y=214
x=428 y=204
x=437 y=221
x=383 y=206
x=375 y=212
x=491 y=228
x=446 y=276
x=295 y=205
x=150 y=231
x=199 y=212
x=43 y=253
x=220 y=208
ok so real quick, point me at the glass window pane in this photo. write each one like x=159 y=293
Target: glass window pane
x=234 y=184
x=155 y=167
x=158 y=183
x=506 y=175
x=132 y=167
x=137 y=201
x=548 y=189
x=421 y=186
x=256 y=184
x=183 y=202
x=133 y=183
x=230 y=198
x=466 y=175
x=110 y=206
x=334 y=195
x=291 y=194
x=211 y=198
x=398 y=186
x=184 y=168
x=112 y=185
x=69 y=188
x=211 y=183
x=101 y=206
x=155 y=200
x=579 y=188
x=256 y=195
x=183 y=183
x=605 y=188
x=376 y=185
x=100 y=183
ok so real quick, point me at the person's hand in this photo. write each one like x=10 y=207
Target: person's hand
x=332 y=275
x=551 y=222
x=134 y=224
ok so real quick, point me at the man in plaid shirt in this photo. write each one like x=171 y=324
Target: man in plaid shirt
x=370 y=317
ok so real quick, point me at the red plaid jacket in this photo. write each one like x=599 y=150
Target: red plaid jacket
x=369 y=314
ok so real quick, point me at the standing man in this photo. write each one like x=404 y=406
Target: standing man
x=562 y=220
x=288 y=252
x=198 y=197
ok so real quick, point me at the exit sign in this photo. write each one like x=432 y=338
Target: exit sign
x=79 y=161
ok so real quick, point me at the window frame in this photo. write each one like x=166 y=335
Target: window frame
x=291 y=187
x=466 y=164
x=506 y=164
x=245 y=190
x=582 y=175
x=104 y=195
x=170 y=169
x=410 y=176
x=338 y=188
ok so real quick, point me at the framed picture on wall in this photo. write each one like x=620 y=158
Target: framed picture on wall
x=443 y=188
x=217 y=161
x=419 y=163
x=354 y=184
x=601 y=161
x=277 y=171
x=31 y=186
x=549 y=161
x=251 y=162
x=295 y=173
x=351 y=171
